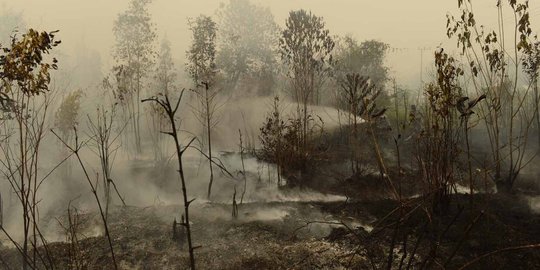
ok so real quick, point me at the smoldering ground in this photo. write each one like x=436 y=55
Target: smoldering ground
x=143 y=182
x=325 y=151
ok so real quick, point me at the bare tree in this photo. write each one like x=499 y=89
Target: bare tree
x=171 y=109
x=465 y=108
x=105 y=144
x=75 y=149
x=243 y=166
x=72 y=229
x=205 y=112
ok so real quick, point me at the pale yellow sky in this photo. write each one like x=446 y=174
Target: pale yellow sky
x=411 y=24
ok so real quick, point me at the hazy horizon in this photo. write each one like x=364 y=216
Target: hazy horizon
x=407 y=27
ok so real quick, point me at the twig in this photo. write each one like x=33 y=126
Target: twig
x=75 y=151
x=475 y=260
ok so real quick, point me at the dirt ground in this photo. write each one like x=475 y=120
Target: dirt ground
x=264 y=236
x=290 y=235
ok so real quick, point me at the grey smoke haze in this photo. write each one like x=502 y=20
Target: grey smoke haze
x=86 y=33
x=406 y=25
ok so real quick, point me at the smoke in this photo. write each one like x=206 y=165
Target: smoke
x=143 y=182
x=534 y=203
x=248 y=114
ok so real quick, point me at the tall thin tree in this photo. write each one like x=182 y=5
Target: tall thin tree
x=171 y=109
x=134 y=53
x=201 y=67
x=305 y=47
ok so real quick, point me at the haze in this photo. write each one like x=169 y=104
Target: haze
x=405 y=25
x=269 y=134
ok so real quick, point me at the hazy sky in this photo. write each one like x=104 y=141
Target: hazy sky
x=409 y=25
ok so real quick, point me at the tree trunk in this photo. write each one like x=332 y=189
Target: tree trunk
x=208 y=129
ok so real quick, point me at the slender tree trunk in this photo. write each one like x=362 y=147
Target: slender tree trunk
x=184 y=194
x=24 y=188
x=208 y=132
x=179 y=152
x=536 y=110
x=105 y=225
x=356 y=140
x=398 y=130
x=243 y=168
x=469 y=164
x=137 y=122
x=351 y=141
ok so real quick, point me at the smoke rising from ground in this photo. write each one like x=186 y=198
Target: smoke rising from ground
x=142 y=183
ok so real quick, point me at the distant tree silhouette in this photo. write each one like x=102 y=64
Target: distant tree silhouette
x=134 y=54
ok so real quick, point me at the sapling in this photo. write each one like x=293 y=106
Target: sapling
x=493 y=60
x=75 y=150
x=103 y=140
x=24 y=98
x=170 y=111
x=234 y=205
x=357 y=90
x=202 y=69
x=243 y=167
x=134 y=52
x=465 y=108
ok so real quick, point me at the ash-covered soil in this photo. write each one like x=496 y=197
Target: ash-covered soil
x=278 y=235
x=293 y=228
x=303 y=235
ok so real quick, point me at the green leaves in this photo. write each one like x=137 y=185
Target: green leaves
x=202 y=52
x=360 y=94
x=23 y=62
x=248 y=44
x=68 y=112
x=442 y=95
x=531 y=59
x=305 y=41
x=523 y=27
x=135 y=35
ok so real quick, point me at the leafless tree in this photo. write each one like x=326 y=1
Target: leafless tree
x=104 y=142
x=243 y=166
x=72 y=228
x=75 y=150
x=205 y=112
x=170 y=110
